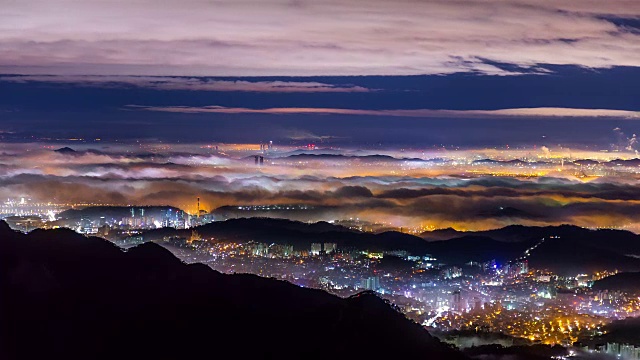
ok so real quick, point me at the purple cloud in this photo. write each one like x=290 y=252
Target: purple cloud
x=272 y=37
x=547 y=112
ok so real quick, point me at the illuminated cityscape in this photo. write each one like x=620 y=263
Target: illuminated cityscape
x=538 y=306
x=304 y=179
x=506 y=296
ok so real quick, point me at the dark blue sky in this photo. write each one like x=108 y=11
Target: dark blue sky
x=82 y=107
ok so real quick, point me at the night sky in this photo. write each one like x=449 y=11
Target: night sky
x=383 y=73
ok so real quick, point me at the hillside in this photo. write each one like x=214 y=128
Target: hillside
x=599 y=250
x=75 y=297
x=626 y=331
x=299 y=234
x=476 y=248
x=626 y=281
x=624 y=240
x=566 y=249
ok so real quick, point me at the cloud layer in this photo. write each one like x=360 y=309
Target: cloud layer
x=419 y=113
x=306 y=37
x=442 y=192
x=187 y=83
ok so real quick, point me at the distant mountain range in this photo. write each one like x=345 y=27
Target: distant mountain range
x=388 y=158
x=515 y=162
x=338 y=155
x=71 y=152
x=66 y=296
x=353 y=157
x=65 y=150
x=565 y=250
x=487 y=161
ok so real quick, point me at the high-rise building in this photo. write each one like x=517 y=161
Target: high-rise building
x=316 y=248
x=516 y=268
x=452 y=272
x=258 y=249
x=330 y=247
x=277 y=250
x=370 y=283
x=456 y=301
x=477 y=304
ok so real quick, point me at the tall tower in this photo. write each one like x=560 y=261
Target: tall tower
x=198 y=214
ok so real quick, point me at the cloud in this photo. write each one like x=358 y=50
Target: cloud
x=389 y=192
x=306 y=37
x=187 y=83
x=427 y=113
x=623 y=142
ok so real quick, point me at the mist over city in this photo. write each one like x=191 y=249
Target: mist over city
x=416 y=189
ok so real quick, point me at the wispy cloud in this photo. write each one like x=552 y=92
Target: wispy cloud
x=307 y=37
x=186 y=83
x=548 y=112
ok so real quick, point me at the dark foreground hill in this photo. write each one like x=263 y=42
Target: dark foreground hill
x=65 y=296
